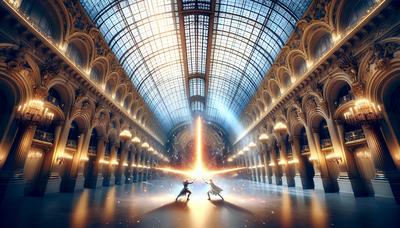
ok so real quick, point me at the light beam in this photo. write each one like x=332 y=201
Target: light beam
x=199 y=170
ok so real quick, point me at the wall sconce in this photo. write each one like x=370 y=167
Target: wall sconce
x=282 y=162
x=105 y=162
x=313 y=158
x=271 y=164
x=334 y=156
x=263 y=137
x=293 y=161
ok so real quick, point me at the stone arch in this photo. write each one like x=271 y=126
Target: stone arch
x=274 y=88
x=80 y=49
x=334 y=90
x=65 y=92
x=284 y=77
x=297 y=63
x=317 y=39
x=99 y=69
x=345 y=13
x=50 y=17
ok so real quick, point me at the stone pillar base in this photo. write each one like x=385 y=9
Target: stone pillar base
x=269 y=179
x=128 y=179
x=307 y=183
x=80 y=182
x=11 y=186
x=290 y=182
x=362 y=188
x=67 y=184
x=118 y=180
x=330 y=185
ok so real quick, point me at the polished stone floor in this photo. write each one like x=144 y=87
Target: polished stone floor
x=152 y=204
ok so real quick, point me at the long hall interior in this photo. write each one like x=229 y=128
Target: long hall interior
x=199 y=113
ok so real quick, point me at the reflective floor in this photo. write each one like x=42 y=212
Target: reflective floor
x=152 y=204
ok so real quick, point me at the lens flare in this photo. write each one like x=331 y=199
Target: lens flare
x=199 y=170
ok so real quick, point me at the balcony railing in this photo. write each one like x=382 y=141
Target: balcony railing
x=304 y=149
x=55 y=101
x=92 y=149
x=354 y=135
x=325 y=143
x=44 y=136
x=344 y=99
x=72 y=143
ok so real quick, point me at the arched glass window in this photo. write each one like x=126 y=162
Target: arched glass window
x=197 y=106
x=325 y=138
x=322 y=45
x=42 y=16
x=73 y=135
x=353 y=11
x=54 y=97
x=93 y=142
x=303 y=141
x=344 y=95
x=300 y=66
x=76 y=54
x=109 y=86
x=196 y=87
x=286 y=79
x=96 y=73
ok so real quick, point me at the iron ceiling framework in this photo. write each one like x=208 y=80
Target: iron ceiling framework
x=187 y=56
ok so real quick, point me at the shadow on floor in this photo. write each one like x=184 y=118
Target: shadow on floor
x=231 y=206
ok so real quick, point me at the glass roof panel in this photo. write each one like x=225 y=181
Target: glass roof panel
x=247 y=36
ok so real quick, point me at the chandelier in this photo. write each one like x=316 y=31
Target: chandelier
x=363 y=111
x=34 y=111
x=280 y=127
x=125 y=135
x=263 y=137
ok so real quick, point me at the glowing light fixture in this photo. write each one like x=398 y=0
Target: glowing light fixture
x=125 y=135
x=252 y=145
x=34 y=110
x=263 y=137
x=280 y=127
x=293 y=161
x=145 y=145
x=136 y=140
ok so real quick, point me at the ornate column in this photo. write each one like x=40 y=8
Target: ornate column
x=253 y=157
x=369 y=115
x=361 y=187
x=128 y=168
x=71 y=168
x=108 y=169
x=125 y=137
x=330 y=183
x=280 y=130
x=39 y=184
x=138 y=164
x=96 y=166
x=277 y=169
x=306 y=177
x=261 y=168
x=29 y=116
x=263 y=138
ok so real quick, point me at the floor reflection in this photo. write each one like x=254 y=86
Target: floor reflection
x=152 y=204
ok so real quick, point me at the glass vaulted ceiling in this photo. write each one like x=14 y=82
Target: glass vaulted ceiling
x=228 y=44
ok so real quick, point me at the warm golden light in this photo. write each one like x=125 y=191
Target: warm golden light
x=199 y=171
x=136 y=140
x=263 y=137
x=125 y=134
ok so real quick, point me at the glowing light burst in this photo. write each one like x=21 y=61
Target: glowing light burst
x=199 y=170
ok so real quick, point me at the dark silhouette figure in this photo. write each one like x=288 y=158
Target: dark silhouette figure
x=185 y=190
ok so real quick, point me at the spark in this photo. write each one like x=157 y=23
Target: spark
x=199 y=170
